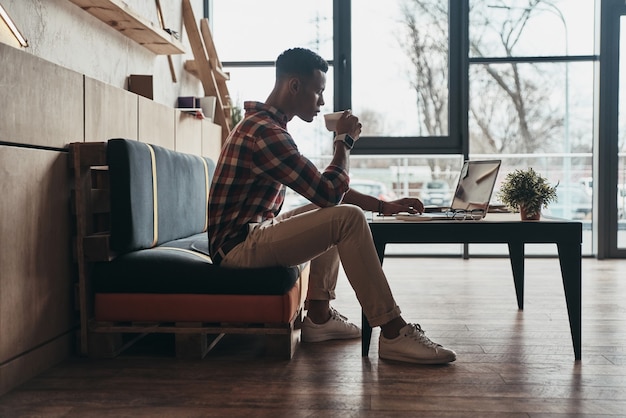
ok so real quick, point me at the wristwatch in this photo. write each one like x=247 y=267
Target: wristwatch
x=345 y=139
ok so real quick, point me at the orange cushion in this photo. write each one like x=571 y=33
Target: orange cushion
x=198 y=308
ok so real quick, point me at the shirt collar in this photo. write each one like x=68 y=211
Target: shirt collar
x=254 y=107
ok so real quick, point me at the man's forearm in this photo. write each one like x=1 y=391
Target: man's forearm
x=341 y=156
x=365 y=202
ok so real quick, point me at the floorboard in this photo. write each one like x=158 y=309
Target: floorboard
x=510 y=363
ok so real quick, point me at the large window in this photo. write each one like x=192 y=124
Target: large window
x=435 y=82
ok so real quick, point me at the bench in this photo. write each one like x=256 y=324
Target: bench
x=141 y=247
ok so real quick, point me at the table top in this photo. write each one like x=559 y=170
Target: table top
x=494 y=228
x=490 y=218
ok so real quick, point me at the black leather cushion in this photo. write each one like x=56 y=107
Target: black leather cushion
x=181 y=187
x=175 y=267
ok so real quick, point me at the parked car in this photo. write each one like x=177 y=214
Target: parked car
x=373 y=188
x=436 y=193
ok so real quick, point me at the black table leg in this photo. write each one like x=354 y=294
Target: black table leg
x=366 y=335
x=570 y=259
x=516 y=254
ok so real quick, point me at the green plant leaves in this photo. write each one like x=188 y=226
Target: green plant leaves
x=526 y=188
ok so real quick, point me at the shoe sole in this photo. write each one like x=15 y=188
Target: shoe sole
x=414 y=360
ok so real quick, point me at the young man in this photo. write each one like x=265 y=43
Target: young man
x=259 y=160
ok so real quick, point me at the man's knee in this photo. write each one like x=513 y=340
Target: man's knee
x=352 y=213
x=347 y=215
x=351 y=210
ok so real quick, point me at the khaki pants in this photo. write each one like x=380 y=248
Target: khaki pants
x=324 y=237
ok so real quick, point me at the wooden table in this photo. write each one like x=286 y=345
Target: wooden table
x=496 y=228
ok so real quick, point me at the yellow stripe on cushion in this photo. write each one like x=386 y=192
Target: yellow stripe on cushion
x=207 y=186
x=155 y=196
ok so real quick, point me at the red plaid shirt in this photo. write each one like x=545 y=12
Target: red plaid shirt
x=258 y=160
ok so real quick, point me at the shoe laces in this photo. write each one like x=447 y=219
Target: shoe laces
x=417 y=333
x=335 y=315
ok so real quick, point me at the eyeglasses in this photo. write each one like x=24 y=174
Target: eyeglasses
x=462 y=214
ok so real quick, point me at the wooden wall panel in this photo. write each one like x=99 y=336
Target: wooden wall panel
x=211 y=140
x=157 y=124
x=188 y=133
x=36 y=284
x=110 y=112
x=41 y=102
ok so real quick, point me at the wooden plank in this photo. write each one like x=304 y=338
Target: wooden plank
x=282 y=345
x=84 y=226
x=92 y=154
x=96 y=248
x=191 y=346
x=188 y=136
x=101 y=200
x=168 y=328
x=36 y=275
x=122 y=18
x=192 y=68
x=211 y=140
x=88 y=172
x=207 y=36
x=169 y=57
x=106 y=345
x=222 y=110
x=221 y=74
x=209 y=81
x=109 y=112
x=197 y=48
x=157 y=123
x=43 y=102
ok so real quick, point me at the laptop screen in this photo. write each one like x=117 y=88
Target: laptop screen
x=475 y=186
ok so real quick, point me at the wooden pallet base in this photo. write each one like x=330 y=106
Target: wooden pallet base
x=193 y=340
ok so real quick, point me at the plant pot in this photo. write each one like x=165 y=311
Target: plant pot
x=524 y=215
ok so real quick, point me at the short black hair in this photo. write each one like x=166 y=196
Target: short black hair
x=299 y=62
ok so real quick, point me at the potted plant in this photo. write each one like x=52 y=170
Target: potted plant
x=527 y=191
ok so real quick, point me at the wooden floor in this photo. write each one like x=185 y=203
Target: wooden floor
x=510 y=363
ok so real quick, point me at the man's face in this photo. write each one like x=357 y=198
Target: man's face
x=309 y=97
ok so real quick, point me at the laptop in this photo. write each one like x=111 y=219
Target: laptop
x=471 y=195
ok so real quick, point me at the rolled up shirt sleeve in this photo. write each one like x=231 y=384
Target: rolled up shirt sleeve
x=278 y=157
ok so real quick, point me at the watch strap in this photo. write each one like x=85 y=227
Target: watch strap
x=346 y=139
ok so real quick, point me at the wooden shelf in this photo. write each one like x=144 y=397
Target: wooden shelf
x=119 y=16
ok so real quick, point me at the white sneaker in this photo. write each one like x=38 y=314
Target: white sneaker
x=413 y=346
x=336 y=328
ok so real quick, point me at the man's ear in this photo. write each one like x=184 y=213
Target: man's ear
x=295 y=85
